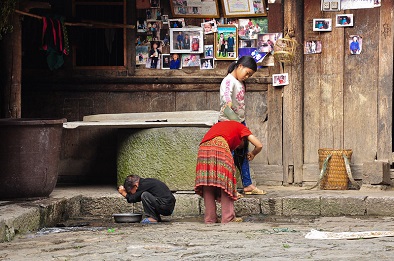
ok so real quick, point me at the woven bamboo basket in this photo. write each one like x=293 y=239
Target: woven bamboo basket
x=336 y=177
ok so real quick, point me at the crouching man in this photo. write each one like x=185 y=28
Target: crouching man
x=156 y=197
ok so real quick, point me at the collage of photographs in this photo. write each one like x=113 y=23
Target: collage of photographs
x=168 y=41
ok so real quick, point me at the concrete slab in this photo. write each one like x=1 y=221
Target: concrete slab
x=147 y=120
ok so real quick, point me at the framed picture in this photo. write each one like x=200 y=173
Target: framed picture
x=244 y=8
x=226 y=43
x=322 y=24
x=186 y=40
x=190 y=60
x=344 y=20
x=165 y=61
x=207 y=63
x=194 y=8
x=280 y=79
x=313 y=46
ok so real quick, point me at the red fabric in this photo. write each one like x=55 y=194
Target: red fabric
x=231 y=131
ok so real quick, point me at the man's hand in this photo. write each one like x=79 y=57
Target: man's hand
x=122 y=191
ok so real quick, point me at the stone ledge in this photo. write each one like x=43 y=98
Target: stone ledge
x=21 y=217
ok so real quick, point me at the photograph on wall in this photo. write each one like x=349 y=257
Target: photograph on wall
x=257 y=56
x=209 y=27
x=206 y=63
x=165 y=61
x=247 y=43
x=208 y=51
x=313 y=46
x=153 y=29
x=142 y=53
x=194 y=8
x=176 y=23
x=141 y=26
x=244 y=8
x=164 y=19
x=266 y=42
x=165 y=36
x=175 y=62
x=153 y=61
x=154 y=3
x=226 y=43
x=190 y=60
x=250 y=28
x=358 y=4
x=280 y=79
x=344 y=20
x=186 y=40
x=322 y=24
x=153 y=14
x=355 y=44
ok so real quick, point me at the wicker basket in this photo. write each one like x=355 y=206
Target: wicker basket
x=336 y=177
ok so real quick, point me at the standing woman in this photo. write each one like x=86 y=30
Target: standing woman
x=232 y=104
x=215 y=170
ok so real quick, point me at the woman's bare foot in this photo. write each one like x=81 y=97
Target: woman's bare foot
x=249 y=188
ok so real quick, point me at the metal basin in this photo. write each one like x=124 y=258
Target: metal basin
x=127 y=217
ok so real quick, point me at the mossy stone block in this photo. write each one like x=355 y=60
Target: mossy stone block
x=168 y=154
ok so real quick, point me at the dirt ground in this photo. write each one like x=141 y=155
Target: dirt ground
x=257 y=238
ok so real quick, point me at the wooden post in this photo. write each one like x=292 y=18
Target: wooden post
x=11 y=50
x=385 y=82
x=12 y=70
x=293 y=96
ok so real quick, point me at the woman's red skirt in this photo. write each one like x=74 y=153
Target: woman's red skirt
x=215 y=167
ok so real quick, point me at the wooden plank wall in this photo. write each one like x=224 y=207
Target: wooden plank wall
x=348 y=98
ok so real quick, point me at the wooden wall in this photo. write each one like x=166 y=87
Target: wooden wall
x=348 y=98
x=334 y=99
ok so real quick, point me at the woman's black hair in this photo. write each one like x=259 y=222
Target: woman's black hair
x=246 y=61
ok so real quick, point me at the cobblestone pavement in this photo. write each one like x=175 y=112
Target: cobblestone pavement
x=265 y=237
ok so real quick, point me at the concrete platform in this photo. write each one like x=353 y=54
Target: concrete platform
x=19 y=217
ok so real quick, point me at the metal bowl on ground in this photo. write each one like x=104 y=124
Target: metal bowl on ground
x=127 y=217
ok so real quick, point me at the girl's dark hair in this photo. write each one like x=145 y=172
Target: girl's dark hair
x=246 y=61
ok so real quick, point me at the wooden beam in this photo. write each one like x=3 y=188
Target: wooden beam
x=293 y=96
x=385 y=82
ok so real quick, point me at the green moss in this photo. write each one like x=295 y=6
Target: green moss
x=168 y=154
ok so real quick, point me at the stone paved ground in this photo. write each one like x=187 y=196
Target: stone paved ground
x=262 y=238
